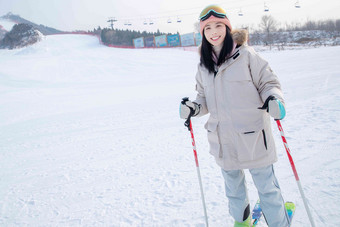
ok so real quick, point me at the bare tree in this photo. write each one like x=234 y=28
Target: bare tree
x=337 y=24
x=268 y=25
x=197 y=27
x=310 y=25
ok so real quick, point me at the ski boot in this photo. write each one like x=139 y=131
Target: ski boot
x=245 y=223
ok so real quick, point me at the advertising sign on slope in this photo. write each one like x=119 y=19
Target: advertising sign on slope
x=161 y=41
x=139 y=42
x=174 y=40
x=188 y=40
x=149 y=41
x=198 y=39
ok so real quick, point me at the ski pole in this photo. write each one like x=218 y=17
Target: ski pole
x=189 y=126
x=295 y=172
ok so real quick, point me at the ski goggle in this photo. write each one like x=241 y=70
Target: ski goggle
x=215 y=10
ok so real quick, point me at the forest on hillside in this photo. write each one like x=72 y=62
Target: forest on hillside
x=121 y=37
x=268 y=32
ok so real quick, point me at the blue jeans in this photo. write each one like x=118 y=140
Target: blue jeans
x=271 y=200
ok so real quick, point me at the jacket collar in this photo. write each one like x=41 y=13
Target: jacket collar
x=240 y=37
x=234 y=57
x=215 y=57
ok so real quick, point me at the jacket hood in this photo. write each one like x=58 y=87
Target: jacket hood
x=240 y=36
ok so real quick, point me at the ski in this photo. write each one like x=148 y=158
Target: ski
x=257 y=212
x=290 y=208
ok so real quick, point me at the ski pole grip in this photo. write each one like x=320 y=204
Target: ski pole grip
x=185 y=99
x=192 y=112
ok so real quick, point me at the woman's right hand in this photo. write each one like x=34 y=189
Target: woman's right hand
x=186 y=107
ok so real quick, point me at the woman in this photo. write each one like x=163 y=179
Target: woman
x=240 y=92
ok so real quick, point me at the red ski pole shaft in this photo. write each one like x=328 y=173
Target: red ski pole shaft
x=295 y=172
x=198 y=172
x=194 y=145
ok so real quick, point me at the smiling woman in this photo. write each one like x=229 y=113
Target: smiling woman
x=232 y=83
x=215 y=30
x=215 y=33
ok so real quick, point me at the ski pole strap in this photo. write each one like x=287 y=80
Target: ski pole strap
x=187 y=122
x=265 y=105
x=192 y=112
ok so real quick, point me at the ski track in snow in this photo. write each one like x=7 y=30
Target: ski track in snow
x=90 y=136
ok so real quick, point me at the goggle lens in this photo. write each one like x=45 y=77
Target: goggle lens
x=212 y=10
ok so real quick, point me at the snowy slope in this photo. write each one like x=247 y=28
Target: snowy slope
x=90 y=136
x=6 y=24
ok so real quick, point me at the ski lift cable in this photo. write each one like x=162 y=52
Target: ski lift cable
x=194 y=11
x=167 y=14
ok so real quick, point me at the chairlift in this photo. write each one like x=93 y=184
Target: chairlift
x=145 y=23
x=266 y=8
x=112 y=19
x=240 y=13
x=169 y=21
x=297 y=4
x=129 y=23
x=179 y=20
x=151 y=22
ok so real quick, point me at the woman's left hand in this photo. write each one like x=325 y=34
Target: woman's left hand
x=274 y=107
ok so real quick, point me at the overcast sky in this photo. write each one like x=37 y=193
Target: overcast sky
x=71 y=15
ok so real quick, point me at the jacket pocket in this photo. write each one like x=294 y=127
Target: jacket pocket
x=213 y=139
x=251 y=145
x=214 y=143
x=264 y=139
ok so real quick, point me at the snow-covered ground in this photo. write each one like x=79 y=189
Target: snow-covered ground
x=6 y=24
x=90 y=136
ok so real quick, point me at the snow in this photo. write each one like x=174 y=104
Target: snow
x=90 y=136
x=6 y=24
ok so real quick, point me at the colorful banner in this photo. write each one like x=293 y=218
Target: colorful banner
x=161 y=41
x=139 y=42
x=149 y=41
x=198 y=39
x=188 y=40
x=173 y=40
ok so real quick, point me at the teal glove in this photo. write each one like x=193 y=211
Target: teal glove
x=274 y=107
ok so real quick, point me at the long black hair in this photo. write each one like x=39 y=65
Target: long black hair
x=206 y=51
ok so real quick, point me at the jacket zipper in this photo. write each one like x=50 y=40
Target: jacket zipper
x=220 y=154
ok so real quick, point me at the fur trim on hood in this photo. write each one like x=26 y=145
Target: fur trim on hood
x=240 y=36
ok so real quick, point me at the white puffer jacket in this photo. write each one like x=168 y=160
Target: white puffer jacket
x=239 y=134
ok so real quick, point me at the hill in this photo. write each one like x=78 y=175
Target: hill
x=21 y=35
x=42 y=28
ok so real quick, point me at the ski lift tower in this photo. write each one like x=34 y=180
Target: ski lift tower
x=112 y=20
